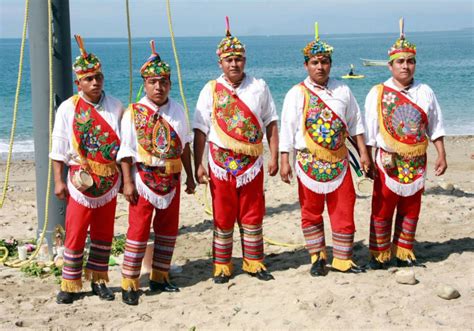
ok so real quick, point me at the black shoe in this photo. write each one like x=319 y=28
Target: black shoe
x=102 y=291
x=409 y=263
x=65 y=298
x=262 y=275
x=375 y=265
x=319 y=268
x=221 y=279
x=355 y=269
x=163 y=287
x=130 y=297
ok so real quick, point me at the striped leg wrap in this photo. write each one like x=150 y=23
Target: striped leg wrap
x=222 y=245
x=163 y=252
x=252 y=240
x=132 y=260
x=342 y=245
x=379 y=242
x=72 y=271
x=314 y=237
x=404 y=237
x=98 y=263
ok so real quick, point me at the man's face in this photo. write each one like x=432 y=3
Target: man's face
x=318 y=68
x=91 y=86
x=157 y=89
x=233 y=67
x=403 y=69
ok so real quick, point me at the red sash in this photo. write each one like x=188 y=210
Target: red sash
x=157 y=138
x=235 y=124
x=97 y=145
x=324 y=132
x=402 y=123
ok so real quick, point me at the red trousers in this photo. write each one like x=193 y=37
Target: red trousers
x=246 y=205
x=384 y=203
x=79 y=219
x=341 y=214
x=165 y=226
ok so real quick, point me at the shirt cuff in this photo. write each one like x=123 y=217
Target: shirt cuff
x=201 y=127
x=58 y=157
x=125 y=152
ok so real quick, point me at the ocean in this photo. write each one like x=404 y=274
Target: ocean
x=445 y=61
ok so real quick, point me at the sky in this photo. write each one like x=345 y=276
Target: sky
x=107 y=18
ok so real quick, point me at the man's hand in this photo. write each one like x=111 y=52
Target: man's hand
x=60 y=190
x=130 y=192
x=286 y=173
x=190 y=185
x=440 y=165
x=201 y=175
x=367 y=165
x=273 y=167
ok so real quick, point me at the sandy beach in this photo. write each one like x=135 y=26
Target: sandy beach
x=294 y=300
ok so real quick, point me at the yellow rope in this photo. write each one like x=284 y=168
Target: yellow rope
x=15 y=107
x=5 y=254
x=276 y=243
x=170 y=25
x=48 y=187
x=129 y=53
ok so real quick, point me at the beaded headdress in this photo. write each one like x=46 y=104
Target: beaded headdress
x=317 y=46
x=229 y=45
x=86 y=64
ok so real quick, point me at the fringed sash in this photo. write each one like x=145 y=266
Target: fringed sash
x=235 y=124
x=156 y=139
x=324 y=132
x=225 y=162
x=97 y=144
x=402 y=123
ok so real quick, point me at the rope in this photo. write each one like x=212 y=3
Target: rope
x=276 y=243
x=15 y=107
x=170 y=26
x=48 y=187
x=129 y=53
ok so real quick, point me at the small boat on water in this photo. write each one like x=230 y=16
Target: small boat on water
x=375 y=63
x=352 y=76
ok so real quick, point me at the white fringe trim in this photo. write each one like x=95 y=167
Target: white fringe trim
x=242 y=179
x=318 y=187
x=404 y=190
x=90 y=202
x=158 y=201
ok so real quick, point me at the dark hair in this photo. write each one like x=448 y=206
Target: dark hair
x=328 y=56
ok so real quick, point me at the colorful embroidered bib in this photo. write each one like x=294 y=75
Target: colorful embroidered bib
x=97 y=145
x=403 y=169
x=402 y=123
x=319 y=170
x=157 y=138
x=234 y=122
x=156 y=179
x=234 y=163
x=324 y=132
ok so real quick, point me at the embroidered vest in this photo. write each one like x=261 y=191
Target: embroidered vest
x=157 y=138
x=97 y=144
x=235 y=124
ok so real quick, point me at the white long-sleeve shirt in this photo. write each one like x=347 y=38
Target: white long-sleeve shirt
x=253 y=92
x=336 y=96
x=109 y=108
x=172 y=112
x=420 y=94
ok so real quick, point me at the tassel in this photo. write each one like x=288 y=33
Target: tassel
x=403 y=253
x=323 y=153
x=235 y=145
x=402 y=28
x=319 y=255
x=227 y=27
x=80 y=44
x=98 y=277
x=316 y=31
x=131 y=283
x=225 y=269
x=172 y=166
x=71 y=286
x=152 y=46
x=159 y=276
x=252 y=266
x=381 y=256
x=342 y=265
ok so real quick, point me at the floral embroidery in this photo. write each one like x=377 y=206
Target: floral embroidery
x=405 y=169
x=233 y=163
x=101 y=185
x=319 y=170
x=157 y=180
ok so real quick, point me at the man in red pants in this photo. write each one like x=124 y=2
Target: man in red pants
x=155 y=148
x=86 y=138
x=401 y=116
x=318 y=114
x=232 y=113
